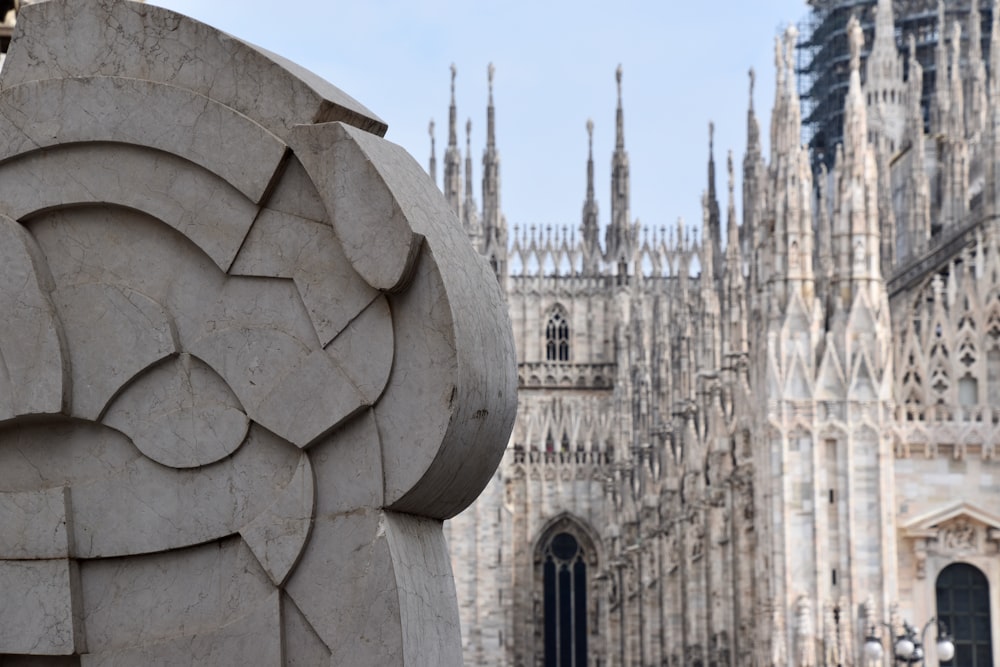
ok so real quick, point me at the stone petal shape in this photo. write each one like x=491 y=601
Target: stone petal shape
x=82 y=38
x=277 y=535
x=197 y=203
x=39 y=114
x=112 y=334
x=33 y=524
x=365 y=211
x=180 y=414
x=31 y=348
x=39 y=608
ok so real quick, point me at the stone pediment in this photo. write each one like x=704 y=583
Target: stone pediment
x=957 y=530
x=929 y=525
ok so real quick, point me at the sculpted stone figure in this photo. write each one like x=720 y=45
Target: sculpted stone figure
x=250 y=360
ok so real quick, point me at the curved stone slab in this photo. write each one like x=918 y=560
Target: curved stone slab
x=373 y=229
x=197 y=203
x=181 y=414
x=30 y=343
x=38 y=114
x=79 y=38
x=454 y=360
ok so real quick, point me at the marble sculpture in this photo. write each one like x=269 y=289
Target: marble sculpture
x=250 y=359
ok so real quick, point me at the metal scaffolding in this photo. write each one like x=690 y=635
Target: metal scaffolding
x=823 y=58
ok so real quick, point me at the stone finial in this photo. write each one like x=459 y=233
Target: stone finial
x=454 y=73
x=468 y=131
x=430 y=130
x=618 y=80
x=490 y=71
x=729 y=169
x=753 y=80
x=855 y=40
x=590 y=130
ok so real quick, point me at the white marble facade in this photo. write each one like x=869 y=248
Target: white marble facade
x=762 y=448
x=250 y=361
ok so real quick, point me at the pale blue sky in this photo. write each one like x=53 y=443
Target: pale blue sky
x=684 y=63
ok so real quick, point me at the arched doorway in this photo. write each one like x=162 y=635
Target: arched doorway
x=963 y=605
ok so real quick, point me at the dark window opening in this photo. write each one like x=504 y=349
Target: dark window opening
x=557 y=338
x=564 y=575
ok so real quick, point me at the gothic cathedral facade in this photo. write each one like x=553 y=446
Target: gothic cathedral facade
x=770 y=450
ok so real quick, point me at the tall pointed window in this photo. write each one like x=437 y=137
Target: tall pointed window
x=963 y=605
x=564 y=595
x=557 y=337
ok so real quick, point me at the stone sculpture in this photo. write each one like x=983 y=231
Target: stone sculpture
x=250 y=361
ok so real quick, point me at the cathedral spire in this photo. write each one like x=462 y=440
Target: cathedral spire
x=470 y=216
x=939 y=110
x=855 y=114
x=494 y=224
x=432 y=168
x=589 y=226
x=752 y=186
x=975 y=120
x=733 y=285
x=954 y=147
x=884 y=84
x=452 y=156
x=994 y=87
x=714 y=228
x=619 y=234
x=856 y=230
x=918 y=203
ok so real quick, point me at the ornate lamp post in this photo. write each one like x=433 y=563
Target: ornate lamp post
x=908 y=648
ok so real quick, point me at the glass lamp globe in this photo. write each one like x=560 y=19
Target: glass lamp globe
x=904 y=648
x=945 y=649
x=873 y=648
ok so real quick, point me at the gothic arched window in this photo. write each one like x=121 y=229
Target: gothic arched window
x=963 y=605
x=564 y=595
x=557 y=337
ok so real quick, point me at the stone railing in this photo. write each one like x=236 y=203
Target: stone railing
x=578 y=457
x=941 y=414
x=563 y=375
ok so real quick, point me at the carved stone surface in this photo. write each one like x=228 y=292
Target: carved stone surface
x=249 y=360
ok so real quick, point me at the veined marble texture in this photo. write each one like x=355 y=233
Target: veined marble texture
x=250 y=360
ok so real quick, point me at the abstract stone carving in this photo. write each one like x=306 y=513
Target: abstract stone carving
x=250 y=361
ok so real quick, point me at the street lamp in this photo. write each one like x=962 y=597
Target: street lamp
x=908 y=648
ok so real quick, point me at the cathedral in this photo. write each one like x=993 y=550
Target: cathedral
x=772 y=440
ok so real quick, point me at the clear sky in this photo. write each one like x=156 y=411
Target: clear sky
x=685 y=63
